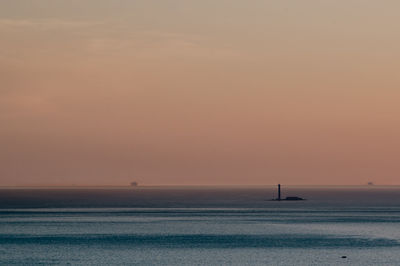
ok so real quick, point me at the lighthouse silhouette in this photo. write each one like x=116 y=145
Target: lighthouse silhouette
x=279 y=192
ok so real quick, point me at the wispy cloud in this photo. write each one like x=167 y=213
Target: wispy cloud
x=110 y=38
x=46 y=24
x=158 y=44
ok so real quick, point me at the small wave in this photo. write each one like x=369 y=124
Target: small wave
x=203 y=241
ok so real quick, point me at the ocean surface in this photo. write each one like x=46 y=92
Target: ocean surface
x=200 y=226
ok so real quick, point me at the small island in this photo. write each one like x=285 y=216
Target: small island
x=279 y=198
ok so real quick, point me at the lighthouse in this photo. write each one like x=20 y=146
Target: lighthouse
x=279 y=192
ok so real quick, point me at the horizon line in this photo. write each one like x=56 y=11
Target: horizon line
x=196 y=185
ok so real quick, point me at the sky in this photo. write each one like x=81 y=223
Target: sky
x=184 y=92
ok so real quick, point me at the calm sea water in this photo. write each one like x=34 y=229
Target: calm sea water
x=199 y=226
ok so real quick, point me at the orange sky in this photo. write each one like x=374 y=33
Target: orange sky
x=100 y=92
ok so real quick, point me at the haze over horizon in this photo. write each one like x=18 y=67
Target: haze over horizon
x=98 y=92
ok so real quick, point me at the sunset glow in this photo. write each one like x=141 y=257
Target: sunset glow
x=172 y=92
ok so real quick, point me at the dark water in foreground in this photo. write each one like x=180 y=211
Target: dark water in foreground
x=200 y=226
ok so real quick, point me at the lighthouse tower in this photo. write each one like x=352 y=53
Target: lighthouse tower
x=279 y=191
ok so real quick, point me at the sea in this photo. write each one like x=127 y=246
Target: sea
x=200 y=226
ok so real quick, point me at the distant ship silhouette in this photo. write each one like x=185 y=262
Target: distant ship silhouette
x=279 y=198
